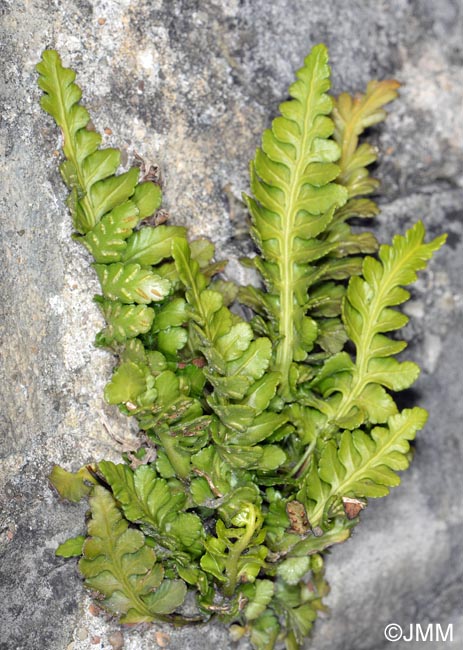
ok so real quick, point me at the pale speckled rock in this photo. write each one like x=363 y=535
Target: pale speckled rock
x=191 y=85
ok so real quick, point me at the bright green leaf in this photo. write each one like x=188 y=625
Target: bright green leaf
x=147 y=197
x=71 y=547
x=127 y=384
x=149 y=246
x=129 y=283
x=293 y=569
x=123 y=321
x=172 y=339
x=264 y=590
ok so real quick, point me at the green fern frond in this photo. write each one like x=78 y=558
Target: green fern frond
x=355 y=392
x=351 y=116
x=149 y=246
x=119 y=565
x=236 y=363
x=88 y=171
x=147 y=499
x=72 y=486
x=72 y=547
x=295 y=198
x=106 y=208
x=107 y=240
x=236 y=554
x=362 y=465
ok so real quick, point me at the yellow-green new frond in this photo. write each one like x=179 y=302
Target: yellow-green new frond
x=89 y=172
x=352 y=115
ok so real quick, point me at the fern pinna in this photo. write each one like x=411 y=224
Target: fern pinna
x=260 y=441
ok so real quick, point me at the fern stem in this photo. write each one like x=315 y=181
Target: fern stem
x=235 y=554
x=288 y=303
x=300 y=468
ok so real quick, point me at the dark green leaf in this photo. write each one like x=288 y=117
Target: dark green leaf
x=71 y=486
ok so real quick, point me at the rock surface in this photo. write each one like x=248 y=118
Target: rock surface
x=192 y=85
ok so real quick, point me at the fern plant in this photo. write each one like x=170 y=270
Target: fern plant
x=260 y=441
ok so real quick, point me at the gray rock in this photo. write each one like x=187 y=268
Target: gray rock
x=192 y=85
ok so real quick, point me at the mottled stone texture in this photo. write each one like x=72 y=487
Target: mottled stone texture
x=191 y=85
